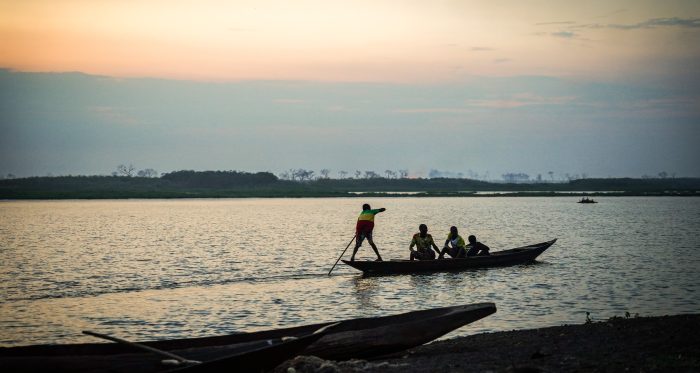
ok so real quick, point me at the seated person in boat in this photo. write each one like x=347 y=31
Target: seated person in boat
x=454 y=245
x=476 y=248
x=424 y=245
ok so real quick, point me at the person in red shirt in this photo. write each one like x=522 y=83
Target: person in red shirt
x=363 y=229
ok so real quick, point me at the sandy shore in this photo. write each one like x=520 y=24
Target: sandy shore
x=644 y=344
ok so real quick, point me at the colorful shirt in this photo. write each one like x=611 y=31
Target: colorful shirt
x=457 y=241
x=365 y=223
x=422 y=243
x=368 y=215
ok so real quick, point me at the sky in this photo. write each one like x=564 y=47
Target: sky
x=482 y=88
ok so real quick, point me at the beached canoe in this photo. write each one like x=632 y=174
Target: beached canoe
x=254 y=356
x=354 y=338
x=515 y=256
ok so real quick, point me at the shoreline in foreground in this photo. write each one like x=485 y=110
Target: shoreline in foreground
x=649 y=344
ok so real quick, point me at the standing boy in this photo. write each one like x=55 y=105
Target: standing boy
x=363 y=229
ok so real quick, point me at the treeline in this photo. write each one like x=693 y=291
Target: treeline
x=214 y=184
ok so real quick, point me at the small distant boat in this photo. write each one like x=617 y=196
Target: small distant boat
x=510 y=257
x=586 y=200
x=256 y=351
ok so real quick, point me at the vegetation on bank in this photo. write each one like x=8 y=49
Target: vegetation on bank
x=234 y=184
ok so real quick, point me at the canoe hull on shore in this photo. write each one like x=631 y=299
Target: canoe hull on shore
x=510 y=257
x=253 y=357
x=355 y=338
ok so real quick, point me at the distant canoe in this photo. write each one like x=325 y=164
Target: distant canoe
x=587 y=201
x=354 y=338
x=510 y=257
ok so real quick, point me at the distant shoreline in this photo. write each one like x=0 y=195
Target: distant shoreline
x=273 y=195
x=232 y=184
x=281 y=194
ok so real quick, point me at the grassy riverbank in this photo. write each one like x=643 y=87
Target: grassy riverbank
x=644 y=344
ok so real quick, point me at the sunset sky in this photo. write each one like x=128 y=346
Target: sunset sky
x=605 y=88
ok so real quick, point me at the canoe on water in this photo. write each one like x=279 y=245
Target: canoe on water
x=515 y=256
x=354 y=338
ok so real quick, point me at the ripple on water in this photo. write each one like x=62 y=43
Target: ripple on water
x=165 y=269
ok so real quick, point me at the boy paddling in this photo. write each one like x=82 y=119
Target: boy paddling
x=363 y=229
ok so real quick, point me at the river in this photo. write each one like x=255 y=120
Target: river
x=152 y=269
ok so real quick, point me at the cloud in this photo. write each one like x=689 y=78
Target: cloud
x=481 y=49
x=502 y=60
x=648 y=24
x=656 y=22
x=520 y=100
x=555 y=23
x=564 y=34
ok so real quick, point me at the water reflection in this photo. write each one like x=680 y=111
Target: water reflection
x=366 y=288
x=166 y=269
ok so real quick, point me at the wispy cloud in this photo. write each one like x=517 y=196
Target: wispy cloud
x=564 y=34
x=555 y=23
x=520 y=100
x=481 y=49
x=571 y=30
x=661 y=22
x=648 y=24
x=502 y=60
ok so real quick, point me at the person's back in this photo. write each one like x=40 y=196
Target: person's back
x=364 y=228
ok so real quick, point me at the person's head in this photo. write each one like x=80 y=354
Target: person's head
x=453 y=231
x=423 y=229
x=471 y=238
x=366 y=207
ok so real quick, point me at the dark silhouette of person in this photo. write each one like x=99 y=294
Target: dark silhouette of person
x=364 y=228
x=476 y=248
x=454 y=245
x=424 y=245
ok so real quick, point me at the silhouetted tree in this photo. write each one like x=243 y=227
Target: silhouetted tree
x=342 y=174
x=371 y=175
x=403 y=174
x=126 y=170
x=324 y=173
x=515 y=178
x=149 y=172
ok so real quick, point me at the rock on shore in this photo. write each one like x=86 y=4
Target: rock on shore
x=644 y=344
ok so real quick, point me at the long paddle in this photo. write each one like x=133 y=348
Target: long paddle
x=341 y=255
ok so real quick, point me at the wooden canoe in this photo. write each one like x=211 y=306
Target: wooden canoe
x=515 y=256
x=354 y=338
x=255 y=356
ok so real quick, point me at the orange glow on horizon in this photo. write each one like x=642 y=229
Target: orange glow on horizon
x=330 y=41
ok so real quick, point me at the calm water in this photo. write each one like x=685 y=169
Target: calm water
x=149 y=269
